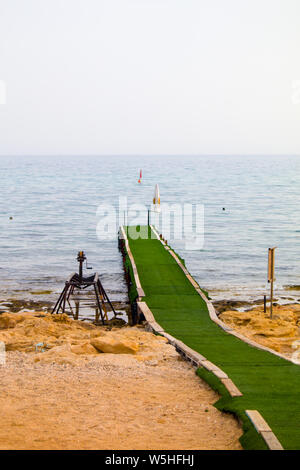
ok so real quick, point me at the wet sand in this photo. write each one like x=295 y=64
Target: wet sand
x=73 y=397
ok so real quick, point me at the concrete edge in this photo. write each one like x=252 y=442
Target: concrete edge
x=139 y=288
x=231 y=331
x=157 y=235
x=231 y=387
x=190 y=354
x=264 y=429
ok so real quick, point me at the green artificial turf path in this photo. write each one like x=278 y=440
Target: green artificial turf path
x=269 y=384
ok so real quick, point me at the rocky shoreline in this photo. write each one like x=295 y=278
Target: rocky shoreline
x=280 y=333
x=14 y=305
x=246 y=305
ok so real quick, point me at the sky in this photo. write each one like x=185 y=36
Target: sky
x=105 y=77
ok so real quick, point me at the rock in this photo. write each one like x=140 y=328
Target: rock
x=86 y=326
x=224 y=305
x=7 y=320
x=21 y=345
x=278 y=333
x=68 y=341
x=61 y=318
x=15 y=305
x=113 y=345
x=84 y=348
x=59 y=354
x=116 y=322
x=59 y=349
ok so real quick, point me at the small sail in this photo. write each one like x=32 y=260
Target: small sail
x=156 y=199
x=140 y=178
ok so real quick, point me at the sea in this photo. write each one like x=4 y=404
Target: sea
x=51 y=207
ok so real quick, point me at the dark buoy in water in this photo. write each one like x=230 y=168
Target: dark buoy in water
x=223 y=208
x=10 y=218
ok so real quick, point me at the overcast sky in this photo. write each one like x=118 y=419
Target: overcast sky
x=150 y=76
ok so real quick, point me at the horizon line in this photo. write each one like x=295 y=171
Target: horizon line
x=156 y=155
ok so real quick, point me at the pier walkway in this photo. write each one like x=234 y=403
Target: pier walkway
x=269 y=384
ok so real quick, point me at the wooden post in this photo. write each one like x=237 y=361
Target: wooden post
x=271 y=275
x=271 y=300
x=148 y=217
x=265 y=303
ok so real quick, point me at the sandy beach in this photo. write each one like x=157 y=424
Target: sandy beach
x=72 y=396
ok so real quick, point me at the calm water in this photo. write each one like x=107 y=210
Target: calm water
x=53 y=202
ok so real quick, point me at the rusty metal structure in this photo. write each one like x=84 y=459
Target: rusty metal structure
x=80 y=282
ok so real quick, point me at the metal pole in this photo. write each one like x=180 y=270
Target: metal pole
x=80 y=258
x=65 y=298
x=80 y=270
x=148 y=217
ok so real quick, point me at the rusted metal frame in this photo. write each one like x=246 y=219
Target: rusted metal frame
x=68 y=285
x=99 y=303
x=59 y=302
x=70 y=292
x=105 y=297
